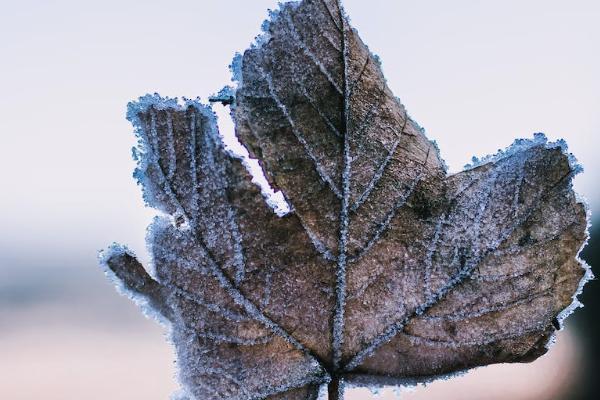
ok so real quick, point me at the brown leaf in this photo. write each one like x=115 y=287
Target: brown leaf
x=387 y=269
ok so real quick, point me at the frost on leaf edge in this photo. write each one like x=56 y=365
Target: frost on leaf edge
x=141 y=150
x=115 y=250
x=540 y=139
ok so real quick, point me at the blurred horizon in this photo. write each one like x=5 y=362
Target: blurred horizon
x=475 y=75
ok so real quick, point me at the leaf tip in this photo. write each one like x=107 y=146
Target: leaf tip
x=130 y=278
x=522 y=145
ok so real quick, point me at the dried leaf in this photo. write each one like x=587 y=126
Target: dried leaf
x=387 y=269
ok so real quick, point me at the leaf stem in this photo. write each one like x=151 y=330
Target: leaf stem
x=335 y=389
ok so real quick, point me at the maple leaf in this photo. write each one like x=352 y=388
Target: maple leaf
x=386 y=270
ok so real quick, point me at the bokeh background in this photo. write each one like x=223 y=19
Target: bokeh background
x=475 y=74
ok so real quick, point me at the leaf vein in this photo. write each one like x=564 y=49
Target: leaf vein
x=311 y=55
x=380 y=170
x=320 y=170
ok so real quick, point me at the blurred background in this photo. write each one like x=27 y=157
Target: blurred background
x=475 y=74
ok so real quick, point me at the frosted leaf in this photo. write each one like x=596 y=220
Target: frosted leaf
x=386 y=270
